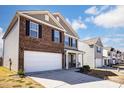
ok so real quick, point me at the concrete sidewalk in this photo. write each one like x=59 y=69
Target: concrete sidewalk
x=67 y=78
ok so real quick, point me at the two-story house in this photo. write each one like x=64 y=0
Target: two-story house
x=40 y=41
x=122 y=57
x=119 y=56
x=93 y=49
x=110 y=56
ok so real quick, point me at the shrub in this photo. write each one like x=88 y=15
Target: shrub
x=21 y=73
x=85 y=69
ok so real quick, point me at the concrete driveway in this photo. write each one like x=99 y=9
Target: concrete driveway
x=69 y=78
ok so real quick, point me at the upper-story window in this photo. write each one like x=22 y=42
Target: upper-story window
x=74 y=43
x=66 y=41
x=56 y=36
x=71 y=42
x=34 y=29
x=99 y=49
x=46 y=17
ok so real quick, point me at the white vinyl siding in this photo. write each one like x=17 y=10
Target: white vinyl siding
x=88 y=57
x=99 y=63
x=11 y=48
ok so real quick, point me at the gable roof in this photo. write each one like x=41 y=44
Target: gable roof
x=109 y=48
x=30 y=14
x=68 y=28
x=39 y=15
x=93 y=41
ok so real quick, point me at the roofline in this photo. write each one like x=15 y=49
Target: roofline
x=98 y=38
x=33 y=11
x=42 y=12
x=37 y=20
x=9 y=27
x=21 y=13
x=70 y=27
x=70 y=36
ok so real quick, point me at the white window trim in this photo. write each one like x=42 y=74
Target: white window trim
x=73 y=43
x=65 y=41
x=34 y=30
x=57 y=37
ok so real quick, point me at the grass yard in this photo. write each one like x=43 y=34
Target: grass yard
x=110 y=75
x=9 y=79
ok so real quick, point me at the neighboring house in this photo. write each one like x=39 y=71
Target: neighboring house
x=37 y=40
x=122 y=57
x=93 y=49
x=119 y=56
x=110 y=56
x=73 y=56
x=106 y=57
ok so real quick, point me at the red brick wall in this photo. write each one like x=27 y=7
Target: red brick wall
x=44 y=44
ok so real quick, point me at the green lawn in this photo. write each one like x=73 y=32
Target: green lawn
x=9 y=79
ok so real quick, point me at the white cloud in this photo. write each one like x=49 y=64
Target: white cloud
x=113 y=41
x=77 y=23
x=92 y=10
x=120 y=35
x=111 y=19
x=95 y=11
x=85 y=38
x=1 y=41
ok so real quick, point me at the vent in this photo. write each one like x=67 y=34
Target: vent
x=46 y=17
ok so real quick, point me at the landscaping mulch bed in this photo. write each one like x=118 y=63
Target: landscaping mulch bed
x=107 y=75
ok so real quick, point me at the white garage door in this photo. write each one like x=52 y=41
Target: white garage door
x=41 y=61
x=99 y=63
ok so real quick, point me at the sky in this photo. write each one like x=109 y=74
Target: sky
x=106 y=22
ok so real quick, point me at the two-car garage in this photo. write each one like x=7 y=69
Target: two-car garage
x=42 y=61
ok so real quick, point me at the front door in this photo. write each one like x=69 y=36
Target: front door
x=72 y=60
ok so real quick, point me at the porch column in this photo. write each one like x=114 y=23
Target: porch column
x=77 y=59
x=66 y=60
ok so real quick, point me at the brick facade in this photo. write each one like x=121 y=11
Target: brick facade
x=44 y=44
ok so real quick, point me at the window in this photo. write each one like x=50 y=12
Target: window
x=66 y=41
x=46 y=17
x=34 y=29
x=74 y=42
x=99 y=49
x=56 y=36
